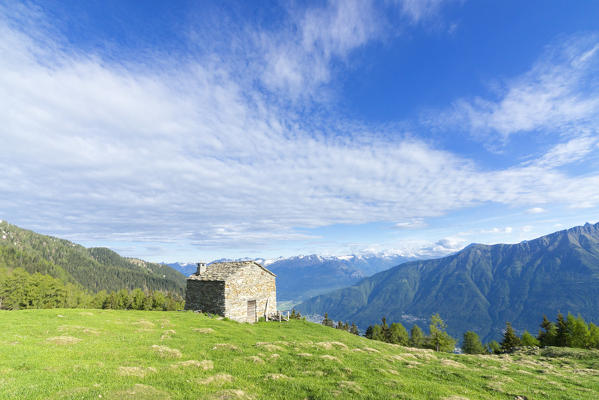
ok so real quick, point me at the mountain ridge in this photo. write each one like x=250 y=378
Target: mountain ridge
x=480 y=287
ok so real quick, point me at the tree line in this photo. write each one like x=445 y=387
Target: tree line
x=20 y=289
x=437 y=339
x=566 y=331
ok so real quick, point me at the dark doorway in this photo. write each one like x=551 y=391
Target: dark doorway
x=252 y=311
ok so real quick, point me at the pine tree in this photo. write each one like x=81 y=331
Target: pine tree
x=346 y=326
x=354 y=329
x=369 y=331
x=416 y=336
x=339 y=325
x=510 y=339
x=593 y=336
x=439 y=339
x=385 y=330
x=529 y=340
x=326 y=321
x=472 y=344
x=561 y=336
x=398 y=334
x=493 y=347
x=578 y=331
x=548 y=333
x=377 y=333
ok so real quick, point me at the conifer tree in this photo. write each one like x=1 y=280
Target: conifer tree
x=416 y=336
x=472 y=343
x=326 y=321
x=593 y=341
x=369 y=331
x=377 y=333
x=354 y=329
x=493 y=347
x=561 y=336
x=439 y=339
x=385 y=330
x=529 y=340
x=548 y=333
x=578 y=331
x=398 y=334
x=510 y=339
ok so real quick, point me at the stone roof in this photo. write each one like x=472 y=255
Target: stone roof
x=221 y=271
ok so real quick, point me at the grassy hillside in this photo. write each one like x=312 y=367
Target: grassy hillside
x=82 y=354
x=94 y=269
x=481 y=287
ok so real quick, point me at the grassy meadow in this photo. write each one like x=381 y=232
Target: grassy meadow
x=108 y=354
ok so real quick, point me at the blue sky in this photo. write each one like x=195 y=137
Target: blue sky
x=183 y=131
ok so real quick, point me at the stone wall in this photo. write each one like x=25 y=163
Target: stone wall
x=205 y=296
x=252 y=283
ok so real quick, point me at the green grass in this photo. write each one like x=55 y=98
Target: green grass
x=92 y=354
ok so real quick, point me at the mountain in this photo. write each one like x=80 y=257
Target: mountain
x=94 y=269
x=185 y=268
x=480 y=287
x=301 y=277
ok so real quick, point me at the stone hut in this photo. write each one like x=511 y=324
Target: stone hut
x=242 y=290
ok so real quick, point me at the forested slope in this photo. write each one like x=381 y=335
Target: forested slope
x=93 y=269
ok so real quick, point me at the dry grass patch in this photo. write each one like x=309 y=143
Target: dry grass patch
x=274 y=355
x=204 y=330
x=230 y=395
x=452 y=363
x=275 y=377
x=269 y=346
x=79 y=329
x=204 y=364
x=217 y=379
x=256 y=359
x=315 y=372
x=144 y=323
x=63 y=340
x=167 y=334
x=332 y=345
x=139 y=392
x=455 y=397
x=329 y=357
x=86 y=313
x=167 y=352
x=370 y=350
x=136 y=371
x=304 y=355
x=350 y=386
x=225 y=346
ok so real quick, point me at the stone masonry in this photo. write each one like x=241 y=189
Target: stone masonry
x=242 y=291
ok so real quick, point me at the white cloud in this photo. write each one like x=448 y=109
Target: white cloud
x=418 y=10
x=558 y=94
x=535 y=210
x=527 y=228
x=507 y=229
x=187 y=152
x=412 y=223
x=298 y=61
x=568 y=152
